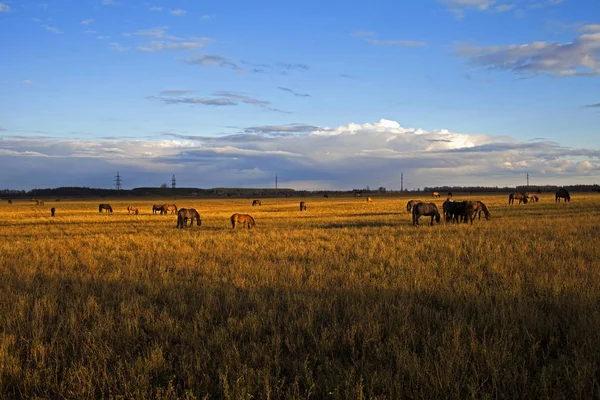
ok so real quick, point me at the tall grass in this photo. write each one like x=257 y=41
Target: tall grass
x=346 y=300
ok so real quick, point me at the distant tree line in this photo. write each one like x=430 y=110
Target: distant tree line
x=83 y=192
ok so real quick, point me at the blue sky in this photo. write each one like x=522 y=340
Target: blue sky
x=336 y=94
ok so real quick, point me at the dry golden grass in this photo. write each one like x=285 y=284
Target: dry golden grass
x=345 y=300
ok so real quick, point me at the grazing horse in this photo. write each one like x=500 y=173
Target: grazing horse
x=106 y=207
x=244 y=219
x=459 y=211
x=369 y=200
x=10 y=202
x=449 y=194
x=157 y=208
x=302 y=206
x=436 y=194
x=562 y=193
x=57 y=200
x=426 y=209
x=38 y=202
x=52 y=211
x=532 y=198
x=256 y=203
x=480 y=207
x=169 y=208
x=447 y=208
x=356 y=194
x=411 y=204
x=326 y=196
x=133 y=210
x=522 y=197
x=188 y=213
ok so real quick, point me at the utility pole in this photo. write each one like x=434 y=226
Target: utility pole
x=528 y=180
x=275 y=181
x=173 y=182
x=402 y=182
x=118 y=183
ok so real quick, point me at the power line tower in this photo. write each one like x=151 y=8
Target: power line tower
x=528 y=179
x=173 y=182
x=118 y=181
x=275 y=181
x=402 y=182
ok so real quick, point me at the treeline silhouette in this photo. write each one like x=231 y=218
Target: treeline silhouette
x=83 y=192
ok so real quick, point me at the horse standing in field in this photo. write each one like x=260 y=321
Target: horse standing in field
x=369 y=199
x=480 y=207
x=57 y=200
x=10 y=202
x=411 y=204
x=52 y=211
x=106 y=207
x=459 y=211
x=157 y=208
x=425 y=209
x=244 y=219
x=38 y=202
x=256 y=203
x=133 y=210
x=302 y=206
x=562 y=193
x=188 y=213
x=522 y=197
x=326 y=196
x=436 y=194
x=169 y=208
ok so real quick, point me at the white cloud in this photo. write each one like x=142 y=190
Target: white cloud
x=86 y=21
x=155 y=8
x=590 y=28
x=178 y=12
x=348 y=156
x=27 y=82
x=581 y=57
x=107 y=2
x=52 y=29
x=4 y=8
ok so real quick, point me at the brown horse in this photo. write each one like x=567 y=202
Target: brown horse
x=326 y=196
x=435 y=194
x=411 y=204
x=356 y=194
x=562 y=194
x=157 y=208
x=244 y=219
x=480 y=207
x=133 y=210
x=10 y=202
x=459 y=211
x=38 y=202
x=369 y=199
x=302 y=206
x=188 y=213
x=522 y=197
x=425 y=209
x=256 y=203
x=106 y=207
x=169 y=208
x=57 y=200
x=532 y=198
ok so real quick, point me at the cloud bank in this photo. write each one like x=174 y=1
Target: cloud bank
x=302 y=155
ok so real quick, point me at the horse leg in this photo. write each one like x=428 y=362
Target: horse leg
x=432 y=217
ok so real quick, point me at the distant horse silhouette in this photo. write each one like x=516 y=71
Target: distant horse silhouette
x=302 y=206
x=10 y=202
x=369 y=199
x=52 y=211
x=449 y=194
x=57 y=200
x=169 y=208
x=133 y=210
x=244 y=219
x=436 y=194
x=38 y=202
x=326 y=196
x=157 y=208
x=188 y=213
x=256 y=203
x=106 y=207
x=411 y=204
x=562 y=194
x=532 y=198
x=425 y=209
x=356 y=194
x=522 y=197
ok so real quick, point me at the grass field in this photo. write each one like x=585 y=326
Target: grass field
x=345 y=300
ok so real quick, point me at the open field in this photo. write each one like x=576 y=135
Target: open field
x=345 y=300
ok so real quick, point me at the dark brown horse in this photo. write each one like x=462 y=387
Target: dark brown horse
x=52 y=211
x=459 y=211
x=256 y=203
x=326 y=196
x=411 y=204
x=562 y=194
x=188 y=213
x=10 y=202
x=522 y=197
x=157 y=208
x=244 y=219
x=425 y=209
x=106 y=207
x=302 y=206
